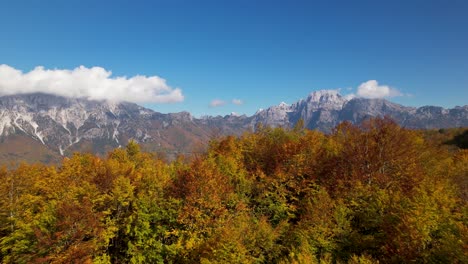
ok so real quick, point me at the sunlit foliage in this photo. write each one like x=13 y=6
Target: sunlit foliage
x=367 y=193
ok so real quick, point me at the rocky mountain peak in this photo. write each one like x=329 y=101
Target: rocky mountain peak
x=283 y=105
x=329 y=99
x=323 y=94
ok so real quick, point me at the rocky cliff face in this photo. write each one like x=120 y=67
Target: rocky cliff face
x=60 y=123
x=323 y=110
x=319 y=110
x=64 y=125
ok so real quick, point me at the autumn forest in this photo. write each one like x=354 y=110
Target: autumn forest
x=368 y=193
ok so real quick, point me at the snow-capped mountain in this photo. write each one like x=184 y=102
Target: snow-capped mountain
x=61 y=122
x=63 y=125
x=70 y=124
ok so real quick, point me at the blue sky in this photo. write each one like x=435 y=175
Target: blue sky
x=260 y=52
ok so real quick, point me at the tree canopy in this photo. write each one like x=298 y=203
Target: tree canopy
x=367 y=193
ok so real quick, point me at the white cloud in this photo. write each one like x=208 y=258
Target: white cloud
x=94 y=83
x=217 y=102
x=372 y=89
x=237 y=101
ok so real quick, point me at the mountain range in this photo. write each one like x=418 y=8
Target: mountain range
x=44 y=127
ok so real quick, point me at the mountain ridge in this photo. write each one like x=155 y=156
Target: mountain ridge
x=65 y=125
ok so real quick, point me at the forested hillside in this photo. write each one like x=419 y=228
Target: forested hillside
x=367 y=193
